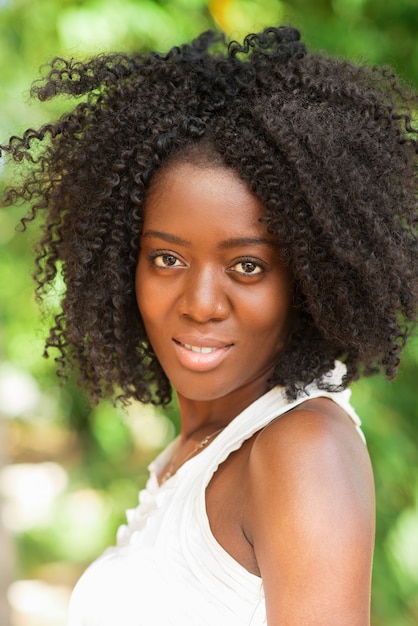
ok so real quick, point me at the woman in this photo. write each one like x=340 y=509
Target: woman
x=238 y=223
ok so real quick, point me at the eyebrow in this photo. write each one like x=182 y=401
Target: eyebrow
x=245 y=241
x=233 y=242
x=166 y=237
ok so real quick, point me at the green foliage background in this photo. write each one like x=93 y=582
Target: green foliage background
x=98 y=447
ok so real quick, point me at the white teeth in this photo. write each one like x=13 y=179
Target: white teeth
x=202 y=350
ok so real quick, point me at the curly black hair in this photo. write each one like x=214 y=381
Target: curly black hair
x=328 y=146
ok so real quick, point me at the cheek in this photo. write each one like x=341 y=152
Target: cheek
x=270 y=306
x=152 y=299
x=141 y=288
x=275 y=315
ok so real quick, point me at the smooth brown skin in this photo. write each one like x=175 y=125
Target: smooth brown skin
x=295 y=504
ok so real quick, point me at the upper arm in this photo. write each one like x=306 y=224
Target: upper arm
x=311 y=519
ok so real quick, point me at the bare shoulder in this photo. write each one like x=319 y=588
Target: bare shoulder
x=316 y=432
x=310 y=516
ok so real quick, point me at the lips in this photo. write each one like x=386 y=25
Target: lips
x=200 y=349
x=201 y=355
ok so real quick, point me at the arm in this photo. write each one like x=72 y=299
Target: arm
x=310 y=518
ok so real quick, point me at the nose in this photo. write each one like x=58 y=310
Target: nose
x=204 y=296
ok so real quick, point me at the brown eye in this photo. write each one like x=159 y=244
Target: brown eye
x=166 y=260
x=248 y=268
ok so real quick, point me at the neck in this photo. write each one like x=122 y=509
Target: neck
x=210 y=415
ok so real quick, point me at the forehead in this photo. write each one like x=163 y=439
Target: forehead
x=209 y=198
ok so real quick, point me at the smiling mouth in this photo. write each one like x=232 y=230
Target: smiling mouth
x=201 y=358
x=200 y=349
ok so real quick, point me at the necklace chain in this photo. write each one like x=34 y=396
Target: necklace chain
x=202 y=444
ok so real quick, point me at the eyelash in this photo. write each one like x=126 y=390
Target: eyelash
x=251 y=261
x=152 y=256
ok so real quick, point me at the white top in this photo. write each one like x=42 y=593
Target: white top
x=167 y=568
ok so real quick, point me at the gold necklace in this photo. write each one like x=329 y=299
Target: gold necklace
x=171 y=471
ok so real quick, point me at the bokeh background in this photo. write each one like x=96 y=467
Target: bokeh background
x=68 y=470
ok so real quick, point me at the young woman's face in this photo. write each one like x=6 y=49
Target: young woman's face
x=211 y=287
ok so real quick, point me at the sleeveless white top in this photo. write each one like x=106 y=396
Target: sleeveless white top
x=167 y=568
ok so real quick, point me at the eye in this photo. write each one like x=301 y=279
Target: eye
x=164 y=260
x=247 y=267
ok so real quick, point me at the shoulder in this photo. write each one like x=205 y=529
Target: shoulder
x=312 y=450
x=310 y=512
x=317 y=433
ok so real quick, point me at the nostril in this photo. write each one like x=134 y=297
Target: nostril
x=204 y=299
